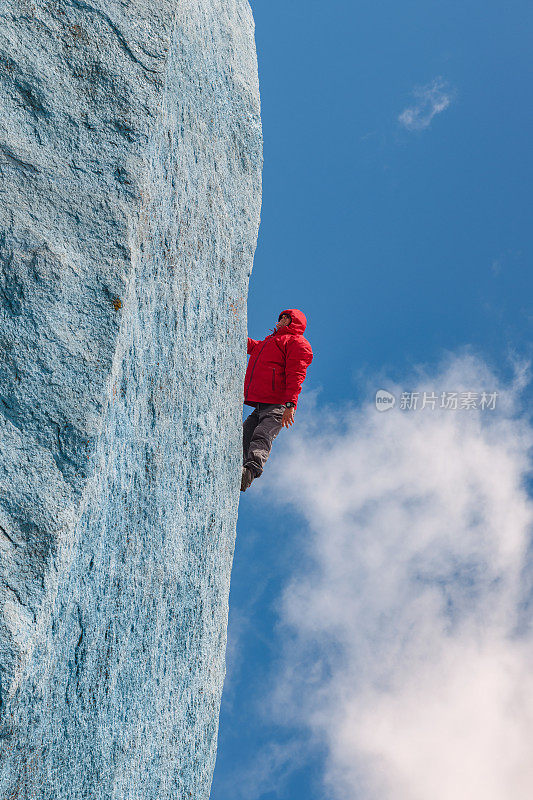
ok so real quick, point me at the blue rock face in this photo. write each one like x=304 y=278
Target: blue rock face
x=130 y=158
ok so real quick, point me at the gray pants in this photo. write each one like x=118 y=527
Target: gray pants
x=258 y=432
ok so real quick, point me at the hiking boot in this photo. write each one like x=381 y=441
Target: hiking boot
x=247 y=478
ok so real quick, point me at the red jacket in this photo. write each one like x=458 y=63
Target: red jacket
x=277 y=365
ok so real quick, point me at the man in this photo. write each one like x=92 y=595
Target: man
x=274 y=377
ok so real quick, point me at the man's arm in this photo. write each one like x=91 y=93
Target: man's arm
x=298 y=356
x=251 y=344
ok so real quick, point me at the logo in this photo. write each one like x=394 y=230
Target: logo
x=384 y=400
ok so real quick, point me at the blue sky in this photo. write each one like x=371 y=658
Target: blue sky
x=396 y=215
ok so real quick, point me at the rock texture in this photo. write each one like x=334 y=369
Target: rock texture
x=130 y=161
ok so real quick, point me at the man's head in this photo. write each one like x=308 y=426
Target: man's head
x=284 y=319
x=295 y=321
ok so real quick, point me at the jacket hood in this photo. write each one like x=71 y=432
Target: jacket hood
x=298 y=321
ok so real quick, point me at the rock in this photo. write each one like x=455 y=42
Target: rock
x=130 y=162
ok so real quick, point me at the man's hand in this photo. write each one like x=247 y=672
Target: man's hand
x=288 y=417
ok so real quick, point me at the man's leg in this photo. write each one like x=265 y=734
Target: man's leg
x=248 y=427
x=265 y=431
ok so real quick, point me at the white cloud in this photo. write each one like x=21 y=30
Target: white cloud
x=401 y=646
x=432 y=99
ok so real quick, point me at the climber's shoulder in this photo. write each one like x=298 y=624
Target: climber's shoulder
x=297 y=344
